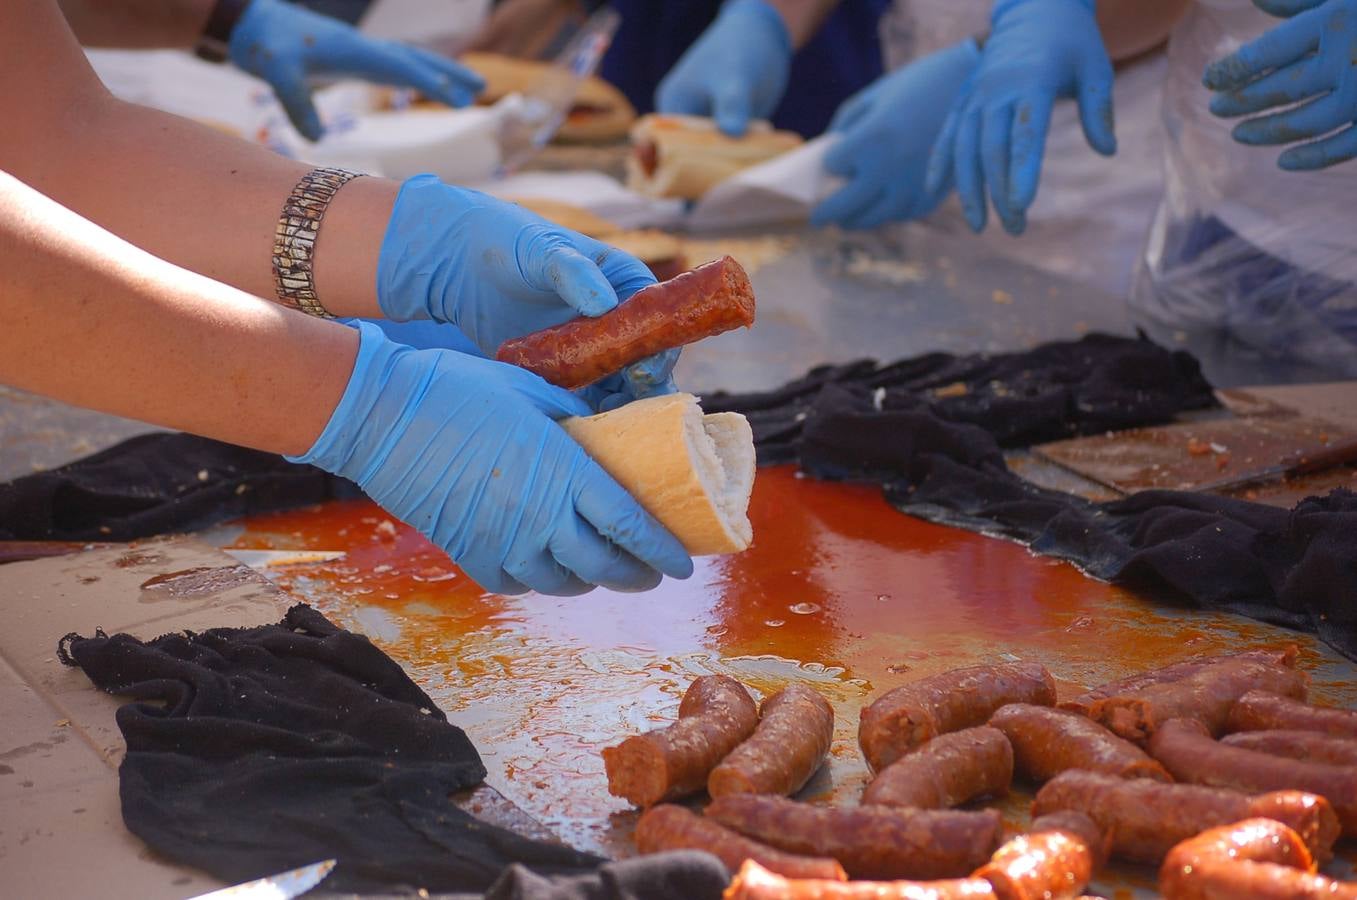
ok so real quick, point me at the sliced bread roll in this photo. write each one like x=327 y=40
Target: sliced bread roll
x=693 y=472
x=686 y=156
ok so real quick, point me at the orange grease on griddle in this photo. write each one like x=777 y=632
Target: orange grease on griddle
x=543 y=683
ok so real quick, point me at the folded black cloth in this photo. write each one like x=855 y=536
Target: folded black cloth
x=156 y=484
x=681 y=875
x=1055 y=391
x=253 y=751
x=941 y=459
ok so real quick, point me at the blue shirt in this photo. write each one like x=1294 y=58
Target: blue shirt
x=842 y=58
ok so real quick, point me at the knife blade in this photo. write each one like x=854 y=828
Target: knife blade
x=283 y=886
x=1302 y=462
x=263 y=559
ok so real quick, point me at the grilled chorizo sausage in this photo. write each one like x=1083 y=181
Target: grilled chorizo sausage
x=1261 y=711
x=902 y=719
x=1056 y=858
x=715 y=715
x=1083 y=704
x=1047 y=741
x=1310 y=745
x=1260 y=859
x=1206 y=696
x=756 y=883
x=870 y=841
x=948 y=771
x=1146 y=818
x=708 y=300
x=796 y=727
x=1190 y=754
x=669 y=827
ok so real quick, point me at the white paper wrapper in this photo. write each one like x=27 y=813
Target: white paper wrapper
x=782 y=190
x=600 y=194
x=458 y=145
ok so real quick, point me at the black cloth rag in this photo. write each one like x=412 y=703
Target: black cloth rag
x=252 y=751
x=941 y=458
x=156 y=484
x=1054 y=391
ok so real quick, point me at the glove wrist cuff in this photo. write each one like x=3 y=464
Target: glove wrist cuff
x=1002 y=7
x=408 y=282
x=764 y=11
x=333 y=447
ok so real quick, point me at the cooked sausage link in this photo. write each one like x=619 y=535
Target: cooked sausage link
x=1262 y=711
x=715 y=715
x=1206 y=696
x=870 y=841
x=668 y=827
x=1312 y=745
x=1040 y=865
x=1147 y=818
x=1047 y=741
x=708 y=300
x=796 y=727
x=1190 y=754
x=1256 y=858
x=948 y=771
x=908 y=716
x=756 y=883
x=1083 y=704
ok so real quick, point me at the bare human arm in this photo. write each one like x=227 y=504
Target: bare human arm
x=803 y=17
x=183 y=191
x=93 y=321
x=1132 y=28
x=137 y=24
x=461 y=447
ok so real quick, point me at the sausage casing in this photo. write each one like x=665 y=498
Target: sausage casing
x=756 y=883
x=1261 y=711
x=1206 y=696
x=715 y=715
x=1054 y=859
x=1083 y=704
x=795 y=729
x=1047 y=741
x=1311 y=745
x=708 y=300
x=1257 y=858
x=870 y=841
x=902 y=719
x=1190 y=754
x=1146 y=818
x=669 y=827
x=948 y=771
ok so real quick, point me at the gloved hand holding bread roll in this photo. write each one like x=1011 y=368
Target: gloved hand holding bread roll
x=692 y=472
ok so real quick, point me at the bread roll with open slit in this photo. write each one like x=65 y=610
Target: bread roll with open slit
x=693 y=472
x=686 y=156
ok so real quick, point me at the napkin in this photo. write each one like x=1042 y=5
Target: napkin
x=784 y=189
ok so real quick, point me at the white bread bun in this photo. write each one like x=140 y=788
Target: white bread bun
x=691 y=471
x=567 y=215
x=601 y=113
x=686 y=156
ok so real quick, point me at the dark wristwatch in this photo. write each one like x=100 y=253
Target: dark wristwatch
x=215 y=42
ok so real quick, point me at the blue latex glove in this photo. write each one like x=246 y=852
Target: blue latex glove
x=736 y=71
x=286 y=45
x=496 y=271
x=1037 y=51
x=887 y=132
x=1310 y=59
x=467 y=450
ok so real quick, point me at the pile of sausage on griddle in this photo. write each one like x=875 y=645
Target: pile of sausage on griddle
x=1215 y=769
